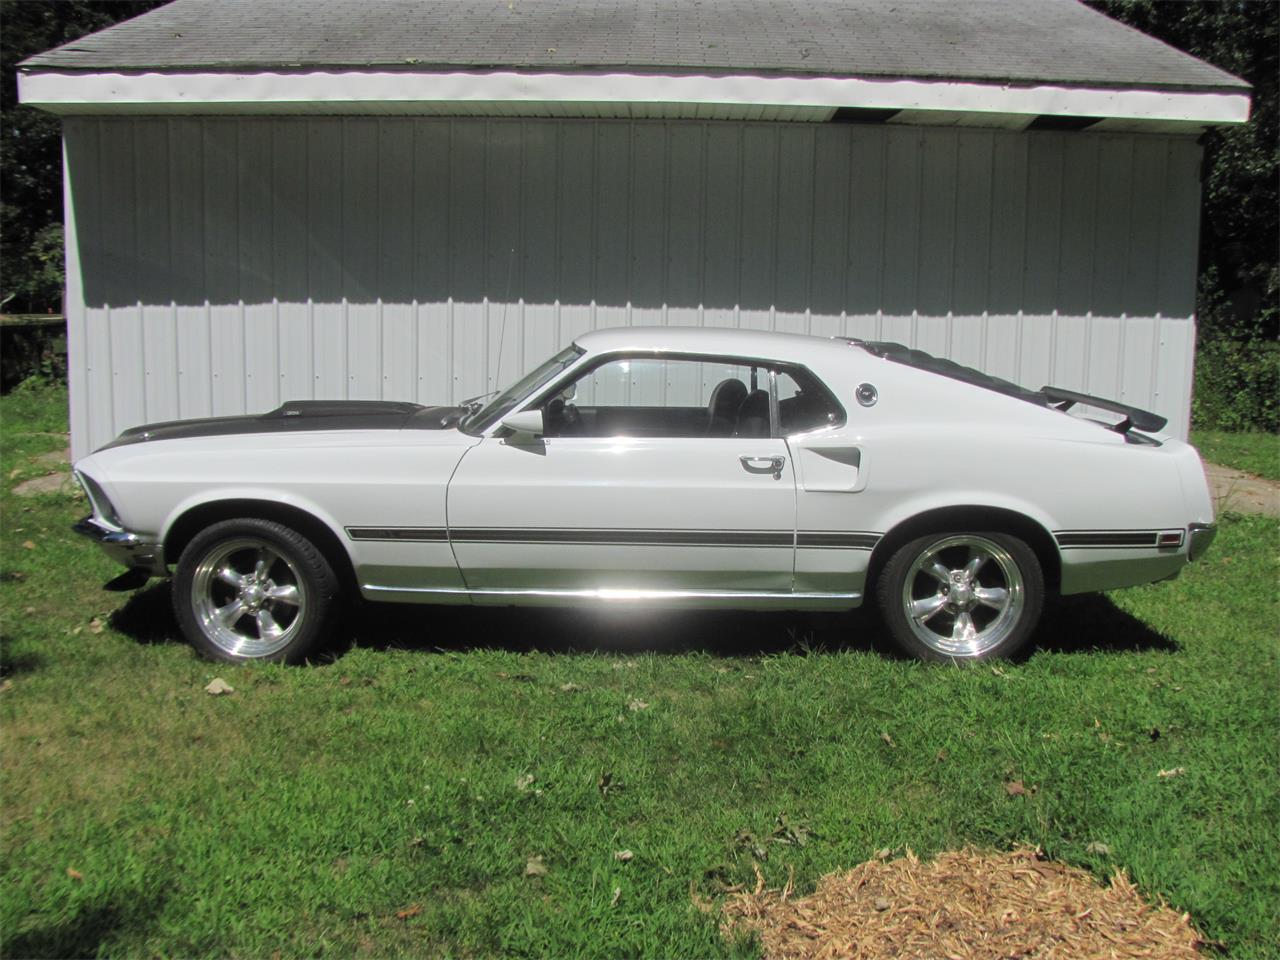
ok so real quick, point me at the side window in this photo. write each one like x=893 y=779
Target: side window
x=804 y=403
x=663 y=397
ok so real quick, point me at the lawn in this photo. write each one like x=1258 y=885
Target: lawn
x=1253 y=452
x=389 y=802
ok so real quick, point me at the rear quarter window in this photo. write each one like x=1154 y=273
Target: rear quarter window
x=805 y=403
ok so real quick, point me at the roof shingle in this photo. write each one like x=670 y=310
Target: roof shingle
x=1007 y=41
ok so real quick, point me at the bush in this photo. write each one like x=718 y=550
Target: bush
x=46 y=269
x=1237 y=386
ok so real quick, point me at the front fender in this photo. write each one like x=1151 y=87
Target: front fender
x=266 y=494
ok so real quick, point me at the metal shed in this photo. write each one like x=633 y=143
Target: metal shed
x=418 y=199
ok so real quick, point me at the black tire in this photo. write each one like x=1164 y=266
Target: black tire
x=997 y=626
x=290 y=605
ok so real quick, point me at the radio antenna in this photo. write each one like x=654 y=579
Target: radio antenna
x=502 y=329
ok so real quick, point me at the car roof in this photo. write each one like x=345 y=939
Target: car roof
x=765 y=344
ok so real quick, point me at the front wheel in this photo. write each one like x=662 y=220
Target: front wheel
x=253 y=589
x=962 y=596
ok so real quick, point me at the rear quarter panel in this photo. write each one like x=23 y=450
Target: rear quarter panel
x=931 y=443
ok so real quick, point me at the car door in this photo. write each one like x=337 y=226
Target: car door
x=834 y=538
x=654 y=474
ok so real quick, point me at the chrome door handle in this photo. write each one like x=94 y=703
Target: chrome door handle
x=772 y=465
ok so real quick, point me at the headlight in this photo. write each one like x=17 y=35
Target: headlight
x=103 y=509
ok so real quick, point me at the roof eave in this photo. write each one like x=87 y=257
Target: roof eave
x=418 y=91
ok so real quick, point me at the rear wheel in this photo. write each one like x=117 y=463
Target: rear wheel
x=962 y=596
x=254 y=589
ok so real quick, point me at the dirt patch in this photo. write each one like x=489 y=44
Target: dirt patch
x=55 y=457
x=1239 y=492
x=963 y=905
x=52 y=483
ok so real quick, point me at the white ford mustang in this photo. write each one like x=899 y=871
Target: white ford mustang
x=698 y=467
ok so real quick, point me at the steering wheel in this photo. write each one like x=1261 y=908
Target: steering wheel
x=553 y=417
x=561 y=419
x=572 y=420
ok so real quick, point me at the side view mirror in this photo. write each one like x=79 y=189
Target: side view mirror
x=526 y=422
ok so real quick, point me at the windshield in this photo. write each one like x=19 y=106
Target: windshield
x=497 y=408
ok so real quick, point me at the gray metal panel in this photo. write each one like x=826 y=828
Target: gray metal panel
x=1008 y=258
x=223 y=265
x=290 y=223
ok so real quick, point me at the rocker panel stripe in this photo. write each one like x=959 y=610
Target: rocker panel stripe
x=1107 y=538
x=621 y=537
x=416 y=534
x=701 y=538
x=822 y=540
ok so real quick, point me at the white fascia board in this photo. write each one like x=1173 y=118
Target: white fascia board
x=345 y=91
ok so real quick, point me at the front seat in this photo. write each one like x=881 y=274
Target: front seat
x=753 y=415
x=726 y=398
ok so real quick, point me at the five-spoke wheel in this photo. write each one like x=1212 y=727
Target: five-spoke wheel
x=248 y=598
x=962 y=596
x=254 y=590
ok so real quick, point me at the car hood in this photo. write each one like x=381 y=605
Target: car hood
x=298 y=416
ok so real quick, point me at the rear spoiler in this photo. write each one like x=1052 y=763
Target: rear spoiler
x=1133 y=417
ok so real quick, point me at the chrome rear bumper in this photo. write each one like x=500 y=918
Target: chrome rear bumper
x=1199 y=536
x=124 y=547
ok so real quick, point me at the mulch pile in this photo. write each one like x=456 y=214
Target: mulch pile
x=963 y=905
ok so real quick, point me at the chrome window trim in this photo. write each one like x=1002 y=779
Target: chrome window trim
x=773 y=367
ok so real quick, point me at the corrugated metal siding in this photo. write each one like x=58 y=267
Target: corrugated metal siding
x=224 y=265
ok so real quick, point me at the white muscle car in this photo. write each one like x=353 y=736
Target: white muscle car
x=688 y=466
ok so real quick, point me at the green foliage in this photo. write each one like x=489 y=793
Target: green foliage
x=1237 y=385
x=42 y=279
x=31 y=145
x=387 y=803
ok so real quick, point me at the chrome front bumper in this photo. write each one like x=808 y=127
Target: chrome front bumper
x=1199 y=536
x=124 y=547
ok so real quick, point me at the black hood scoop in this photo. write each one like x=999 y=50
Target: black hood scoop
x=345 y=409
x=298 y=416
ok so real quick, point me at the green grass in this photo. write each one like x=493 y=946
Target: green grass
x=303 y=812
x=1253 y=452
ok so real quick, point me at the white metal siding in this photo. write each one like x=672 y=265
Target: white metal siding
x=221 y=265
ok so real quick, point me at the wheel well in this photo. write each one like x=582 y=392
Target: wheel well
x=970 y=518
x=317 y=531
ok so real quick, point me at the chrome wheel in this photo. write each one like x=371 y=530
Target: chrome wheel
x=963 y=595
x=248 y=598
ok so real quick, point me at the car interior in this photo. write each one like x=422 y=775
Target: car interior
x=733 y=410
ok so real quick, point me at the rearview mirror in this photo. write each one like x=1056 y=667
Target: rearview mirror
x=526 y=421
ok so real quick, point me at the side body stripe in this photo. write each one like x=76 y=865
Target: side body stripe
x=824 y=540
x=1096 y=539
x=418 y=534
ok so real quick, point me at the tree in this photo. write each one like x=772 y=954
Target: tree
x=31 y=147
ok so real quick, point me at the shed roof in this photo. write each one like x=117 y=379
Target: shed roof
x=1004 y=41
x=1009 y=64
